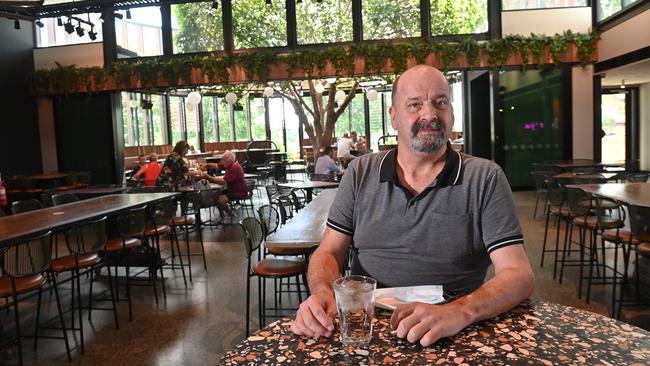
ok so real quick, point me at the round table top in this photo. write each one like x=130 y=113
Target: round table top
x=534 y=332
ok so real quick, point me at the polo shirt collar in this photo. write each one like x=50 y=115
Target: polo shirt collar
x=449 y=176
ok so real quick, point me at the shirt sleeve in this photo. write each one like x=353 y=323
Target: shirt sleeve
x=341 y=213
x=332 y=167
x=500 y=223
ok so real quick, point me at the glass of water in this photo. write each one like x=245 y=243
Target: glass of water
x=355 y=302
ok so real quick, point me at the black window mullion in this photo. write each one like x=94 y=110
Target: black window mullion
x=292 y=32
x=383 y=114
x=366 y=114
x=182 y=119
x=233 y=134
x=267 y=118
x=166 y=17
x=215 y=109
x=425 y=18
x=249 y=121
x=494 y=19
x=226 y=13
x=167 y=119
x=357 y=21
x=199 y=127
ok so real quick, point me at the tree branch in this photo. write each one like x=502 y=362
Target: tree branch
x=347 y=100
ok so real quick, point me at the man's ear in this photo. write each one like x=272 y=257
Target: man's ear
x=392 y=112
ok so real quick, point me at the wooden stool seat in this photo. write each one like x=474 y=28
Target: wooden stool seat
x=644 y=249
x=153 y=230
x=563 y=211
x=23 y=284
x=69 y=262
x=182 y=220
x=272 y=267
x=287 y=251
x=586 y=221
x=619 y=236
x=117 y=244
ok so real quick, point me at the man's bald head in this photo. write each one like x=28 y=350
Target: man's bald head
x=414 y=70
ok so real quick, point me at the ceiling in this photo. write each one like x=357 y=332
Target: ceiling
x=633 y=74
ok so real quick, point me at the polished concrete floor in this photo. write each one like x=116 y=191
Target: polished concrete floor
x=199 y=322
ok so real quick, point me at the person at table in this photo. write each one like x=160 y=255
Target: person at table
x=233 y=178
x=422 y=214
x=142 y=162
x=326 y=167
x=149 y=172
x=174 y=169
x=343 y=148
x=358 y=143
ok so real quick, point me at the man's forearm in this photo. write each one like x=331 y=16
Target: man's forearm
x=323 y=270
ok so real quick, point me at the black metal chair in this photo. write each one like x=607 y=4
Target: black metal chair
x=190 y=209
x=23 y=266
x=63 y=198
x=540 y=190
x=263 y=268
x=25 y=206
x=556 y=209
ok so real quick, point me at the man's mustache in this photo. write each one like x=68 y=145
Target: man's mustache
x=426 y=125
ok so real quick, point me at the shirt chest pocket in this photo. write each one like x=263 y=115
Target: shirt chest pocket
x=449 y=237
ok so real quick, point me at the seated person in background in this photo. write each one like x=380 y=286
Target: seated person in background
x=234 y=178
x=326 y=166
x=358 y=143
x=343 y=147
x=422 y=214
x=174 y=168
x=142 y=162
x=150 y=172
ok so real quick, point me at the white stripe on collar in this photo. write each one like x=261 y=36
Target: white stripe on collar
x=381 y=162
x=460 y=164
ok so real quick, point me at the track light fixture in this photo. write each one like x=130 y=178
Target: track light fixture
x=269 y=2
x=80 y=31
x=69 y=28
x=119 y=16
x=39 y=23
x=128 y=13
x=59 y=22
x=299 y=1
x=101 y=17
x=92 y=34
x=16 y=24
x=215 y=5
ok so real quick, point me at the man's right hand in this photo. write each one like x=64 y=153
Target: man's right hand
x=315 y=317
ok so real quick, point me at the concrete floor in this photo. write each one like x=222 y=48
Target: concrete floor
x=198 y=323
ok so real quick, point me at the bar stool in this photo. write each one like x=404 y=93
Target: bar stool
x=265 y=268
x=190 y=208
x=84 y=243
x=130 y=228
x=162 y=218
x=63 y=198
x=25 y=206
x=555 y=208
x=23 y=266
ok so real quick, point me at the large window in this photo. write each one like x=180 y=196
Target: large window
x=196 y=27
x=177 y=117
x=607 y=8
x=276 y=121
x=259 y=24
x=142 y=119
x=376 y=122
x=458 y=17
x=391 y=19
x=538 y=4
x=79 y=28
x=258 y=124
x=192 y=125
x=223 y=112
x=242 y=131
x=324 y=22
x=141 y=35
x=210 y=126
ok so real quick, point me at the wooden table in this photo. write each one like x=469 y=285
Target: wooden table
x=16 y=227
x=309 y=186
x=91 y=191
x=633 y=193
x=585 y=176
x=535 y=333
x=306 y=228
x=580 y=164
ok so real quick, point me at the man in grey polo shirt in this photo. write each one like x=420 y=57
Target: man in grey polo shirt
x=422 y=214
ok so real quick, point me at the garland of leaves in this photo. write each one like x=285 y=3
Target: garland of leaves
x=178 y=71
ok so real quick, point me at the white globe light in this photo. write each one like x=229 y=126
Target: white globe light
x=268 y=91
x=372 y=95
x=191 y=107
x=231 y=98
x=260 y=109
x=245 y=95
x=330 y=80
x=319 y=88
x=194 y=98
x=339 y=96
x=134 y=103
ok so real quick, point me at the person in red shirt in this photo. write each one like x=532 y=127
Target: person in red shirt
x=150 y=171
x=234 y=179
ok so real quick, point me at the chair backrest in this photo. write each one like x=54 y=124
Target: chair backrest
x=208 y=198
x=250 y=186
x=190 y=203
x=555 y=193
x=253 y=235
x=579 y=201
x=28 y=257
x=163 y=211
x=271 y=192
x=637 y=177
x=86 y=238
x=148 y=189
x=640 y=222
x=609 y=213
x=284 y=208
x=269 y=218
x=132 y=223
x=25 y=205
x=297 y=205
x=540 y=180
x=46 y=196
x=63 y=198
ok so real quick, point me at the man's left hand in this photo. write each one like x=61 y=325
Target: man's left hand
x=427 y=323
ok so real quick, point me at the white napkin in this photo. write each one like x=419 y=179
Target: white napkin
x=389 y=298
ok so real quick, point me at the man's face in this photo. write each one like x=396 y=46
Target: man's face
x=227 y=161
x=422 y=114
x=353 y=137
x=142 y=160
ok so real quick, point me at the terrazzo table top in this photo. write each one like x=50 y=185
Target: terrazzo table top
x=533 y=333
